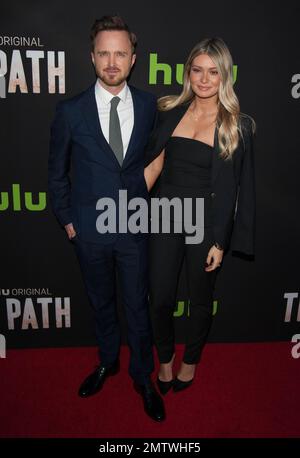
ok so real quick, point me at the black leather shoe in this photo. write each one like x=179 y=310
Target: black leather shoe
x=180 y=385
x=153 y=403
x=164 y=387
x=94 y=382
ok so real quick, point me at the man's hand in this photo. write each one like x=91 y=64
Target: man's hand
x=70 y=230
x=214 y=258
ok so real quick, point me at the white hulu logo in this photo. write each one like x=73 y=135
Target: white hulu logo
x=2 y=346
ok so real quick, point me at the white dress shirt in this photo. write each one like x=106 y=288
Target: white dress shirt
x=124 y=109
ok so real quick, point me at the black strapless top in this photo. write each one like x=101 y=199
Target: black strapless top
x=187 y=164
x=187 y=171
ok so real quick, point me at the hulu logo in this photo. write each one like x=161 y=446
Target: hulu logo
x=166 y=69
x=18 y=200
x=183 y=306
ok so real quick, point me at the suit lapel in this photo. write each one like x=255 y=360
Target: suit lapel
x=217 y=161
x=90 y=112
x=175 y=118
x=138 y=109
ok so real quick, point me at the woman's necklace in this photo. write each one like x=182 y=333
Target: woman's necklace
x=196 y=117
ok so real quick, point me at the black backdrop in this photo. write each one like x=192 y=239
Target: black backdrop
x=42 y=298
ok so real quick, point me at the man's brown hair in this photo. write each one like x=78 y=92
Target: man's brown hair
x=112 y=23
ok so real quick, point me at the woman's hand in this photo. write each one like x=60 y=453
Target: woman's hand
x=214 y=258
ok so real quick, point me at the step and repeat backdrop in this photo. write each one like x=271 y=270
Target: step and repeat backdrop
x=44 y=58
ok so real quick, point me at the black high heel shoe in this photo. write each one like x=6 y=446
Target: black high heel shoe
x=179 y=385
x=164 y=387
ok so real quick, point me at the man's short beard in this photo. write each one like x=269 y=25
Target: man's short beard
x=112 y=82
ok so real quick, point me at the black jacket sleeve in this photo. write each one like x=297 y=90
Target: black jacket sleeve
x=243 y=237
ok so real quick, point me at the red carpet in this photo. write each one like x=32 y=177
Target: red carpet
x=240 y=390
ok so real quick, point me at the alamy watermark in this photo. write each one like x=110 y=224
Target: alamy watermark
x=117 y=218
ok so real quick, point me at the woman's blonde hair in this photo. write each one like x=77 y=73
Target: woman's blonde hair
x=228 y=117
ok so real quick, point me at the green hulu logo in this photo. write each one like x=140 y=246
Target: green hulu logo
x=183 y=307
x=166 y=69
x=15 y=200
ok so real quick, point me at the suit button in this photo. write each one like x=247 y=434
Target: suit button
x=212 y=194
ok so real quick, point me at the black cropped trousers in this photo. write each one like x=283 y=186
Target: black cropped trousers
x=167 y=253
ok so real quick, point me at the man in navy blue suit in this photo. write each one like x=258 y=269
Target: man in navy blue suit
x=101 y=134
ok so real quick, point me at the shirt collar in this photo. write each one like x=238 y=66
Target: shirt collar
x=105 y=96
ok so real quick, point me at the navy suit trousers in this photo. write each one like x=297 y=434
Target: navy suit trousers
x=126 y=259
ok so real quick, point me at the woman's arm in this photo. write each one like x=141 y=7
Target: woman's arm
x=153 y=170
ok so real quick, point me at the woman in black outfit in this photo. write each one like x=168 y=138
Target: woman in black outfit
x=201 y=147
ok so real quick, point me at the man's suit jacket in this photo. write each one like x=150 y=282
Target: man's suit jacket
x=232 y=182
x=77 y=142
